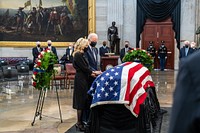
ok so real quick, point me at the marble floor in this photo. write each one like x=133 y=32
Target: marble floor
x=18 y=105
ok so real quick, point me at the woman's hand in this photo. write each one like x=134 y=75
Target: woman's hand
x=97 y=73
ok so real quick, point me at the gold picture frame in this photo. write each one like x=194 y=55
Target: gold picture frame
x=91 y=28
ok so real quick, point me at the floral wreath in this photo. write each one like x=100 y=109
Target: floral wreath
x=43 y=69
x=141 y=56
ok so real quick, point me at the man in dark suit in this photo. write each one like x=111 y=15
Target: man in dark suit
x=92 y=53
x=104 y=49
x=69 y=53
x=124 y=50
x=52 y=48
x=91 y=56
x=185 y=50
x=36 y=50
x=185 y=116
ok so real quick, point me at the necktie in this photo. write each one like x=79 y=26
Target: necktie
x=94 y=54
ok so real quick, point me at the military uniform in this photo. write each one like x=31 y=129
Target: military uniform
x=151 y=50
x=162 y=55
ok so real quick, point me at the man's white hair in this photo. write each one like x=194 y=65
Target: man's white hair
x=186 y=42
x=91 y=35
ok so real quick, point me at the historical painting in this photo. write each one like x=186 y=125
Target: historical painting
x=41 y=20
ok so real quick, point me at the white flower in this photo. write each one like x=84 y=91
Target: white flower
x=33 y=76
x=48 y=51
x=42 y=52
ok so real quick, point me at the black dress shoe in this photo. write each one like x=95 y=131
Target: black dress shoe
x=80 y=127
x=162 y=111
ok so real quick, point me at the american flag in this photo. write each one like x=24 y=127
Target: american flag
x=122 y=84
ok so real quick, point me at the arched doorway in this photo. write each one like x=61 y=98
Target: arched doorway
x=156 y=32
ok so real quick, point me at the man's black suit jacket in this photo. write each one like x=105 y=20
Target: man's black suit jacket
x=69 y=57
x=53 y=49
x=90 y=57
x=122 y=53
x=182 y=52
x=103 y=50
x=35 y=53
x=185 y=115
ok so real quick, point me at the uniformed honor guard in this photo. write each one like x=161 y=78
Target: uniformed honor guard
x=162 y=55
x=151 y=49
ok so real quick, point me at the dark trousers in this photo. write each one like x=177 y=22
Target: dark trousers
x=162 y=63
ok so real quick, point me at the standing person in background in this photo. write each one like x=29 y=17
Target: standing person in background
x=151 y=49
x=185 y=115
x=81 y=82
x=36 y=51
x=69 y=53
x=185 y=50
x=162 y=55
x=124 y=50
x=102 y=50
x=52 y=48
x=194 y=46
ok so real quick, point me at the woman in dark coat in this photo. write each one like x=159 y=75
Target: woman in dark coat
x=80 y=63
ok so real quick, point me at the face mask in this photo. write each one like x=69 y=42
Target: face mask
x=85 y=49
x=104 y=44
x=186 y=46
x=93 y=44
x=38 y=46
x=70 y=47
x=126 y=46
x=49 y=44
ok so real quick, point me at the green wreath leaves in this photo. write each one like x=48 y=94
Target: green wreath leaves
x=44 y=69
x=140 y=56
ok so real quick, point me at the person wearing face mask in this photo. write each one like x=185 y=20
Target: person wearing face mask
x=104 y=49
x=69 y=53
x=185 y=50
x=36 y=50
x=92 y=52
x=162 y=55
x=92 y=58
x=81 y=81
x=52 y=48
x=151 y=49
x=124 y=50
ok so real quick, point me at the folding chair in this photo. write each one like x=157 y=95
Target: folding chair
x=70 y=74
x=59 y=76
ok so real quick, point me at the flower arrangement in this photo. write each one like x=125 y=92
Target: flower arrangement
x=44 y=69
x=141 y=56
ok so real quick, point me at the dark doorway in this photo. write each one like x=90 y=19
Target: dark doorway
x=156 y=32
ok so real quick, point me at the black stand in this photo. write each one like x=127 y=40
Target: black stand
x=40 y=103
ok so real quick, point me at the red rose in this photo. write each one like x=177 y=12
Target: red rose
x=40 y=55
x=38 y=63
x=34 y=84
x=35 y=73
